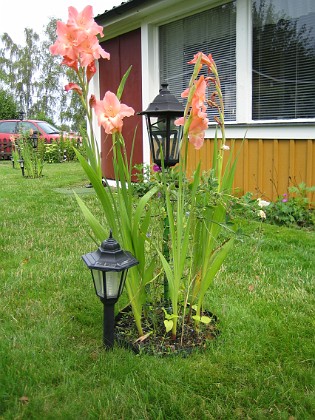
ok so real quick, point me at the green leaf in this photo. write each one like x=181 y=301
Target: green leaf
x=122 y=83
x=168 y=325
x=98 y=230
x=169 y=316
x=213 y=267
x=204 y=319
x=168 y=272
x=140 y=207
x=102 y=194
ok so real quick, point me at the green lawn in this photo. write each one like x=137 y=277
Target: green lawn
x=53 y=366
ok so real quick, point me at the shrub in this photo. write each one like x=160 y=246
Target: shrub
x=62 y=150
x=291 y=209
x=294 y=208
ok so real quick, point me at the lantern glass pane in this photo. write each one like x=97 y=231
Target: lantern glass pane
x=157 y=134
x=175 y=138
x=158 y=124
x=98 y=282
x=112 y=284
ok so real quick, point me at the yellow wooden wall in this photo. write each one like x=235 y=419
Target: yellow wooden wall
x=265 y=167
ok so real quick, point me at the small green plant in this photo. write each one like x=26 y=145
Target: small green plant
x=32 y=157
x=144 y=179
x=15 y=158
x=292 y=209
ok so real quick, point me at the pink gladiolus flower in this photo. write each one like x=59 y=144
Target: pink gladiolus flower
x=198 y=125
x=197 y=129
x=110 y=113
x=92 y=101
x=84 y=21
x=70 y=63
x=77 y=41
x=156 y=168
x=199 y=121
x=199 y=96
x=90 y=70
x=179 y=121
x=67 y=42
x=73 y=86
x=205 y=59
x=90 y=50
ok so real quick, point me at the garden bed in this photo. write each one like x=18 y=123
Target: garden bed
x=155 y=341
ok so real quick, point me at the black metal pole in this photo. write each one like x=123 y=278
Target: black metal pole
x=109 y=324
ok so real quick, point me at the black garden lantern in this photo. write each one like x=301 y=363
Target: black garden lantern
x=109 y=266
x=21 y=115
x=163 y=133
x=34 y=139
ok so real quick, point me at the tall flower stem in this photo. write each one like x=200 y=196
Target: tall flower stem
x=93 y=146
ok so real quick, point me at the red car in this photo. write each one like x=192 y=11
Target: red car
x=12 y=128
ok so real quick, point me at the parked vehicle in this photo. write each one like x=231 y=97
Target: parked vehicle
x=11 y=129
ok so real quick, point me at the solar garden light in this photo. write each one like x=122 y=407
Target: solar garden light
x=21 y=162
x=34 y=139
x=163 y=133
x=109 y=266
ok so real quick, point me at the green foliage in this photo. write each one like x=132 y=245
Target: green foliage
x=291 y=209
x=41 y=116
x=62 y=149
x=145 y=179
x=33 y=158
x=15 y=157
x=8 y=107
x=53 y=154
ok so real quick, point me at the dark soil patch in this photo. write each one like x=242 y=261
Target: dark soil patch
x=156 y=341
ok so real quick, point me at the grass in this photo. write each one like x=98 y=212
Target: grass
x=53 y=366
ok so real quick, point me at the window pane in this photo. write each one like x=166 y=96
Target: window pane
x=283 y=59
x=8 y=127
x=26 y=126
x=211 y=32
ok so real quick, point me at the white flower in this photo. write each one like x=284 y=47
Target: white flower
x=262 y=203
x=262 y=214
x=225 y=147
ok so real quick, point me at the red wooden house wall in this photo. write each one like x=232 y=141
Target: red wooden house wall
x=125 y=50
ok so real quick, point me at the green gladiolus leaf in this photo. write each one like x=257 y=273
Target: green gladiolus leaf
x=94 y=224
